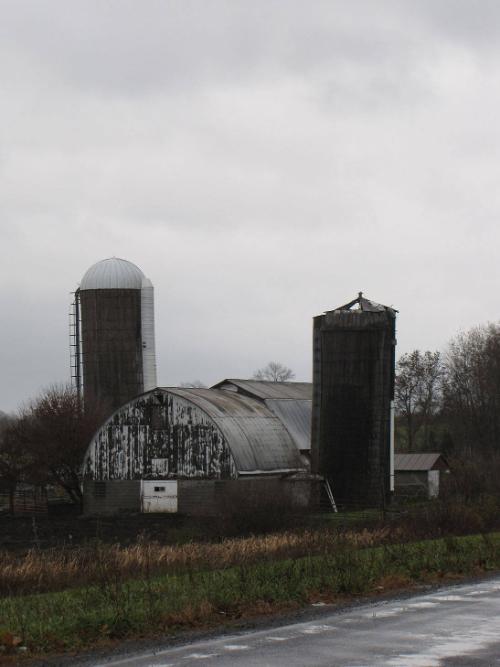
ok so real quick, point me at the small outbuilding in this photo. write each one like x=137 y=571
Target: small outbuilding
x=418 y=474
x=200 y=451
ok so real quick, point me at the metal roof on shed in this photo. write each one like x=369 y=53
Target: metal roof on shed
x=419 y=461
x=262 y=389
x=256 y=437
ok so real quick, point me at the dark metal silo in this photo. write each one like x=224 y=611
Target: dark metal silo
x=115 y=305
x=353 y=393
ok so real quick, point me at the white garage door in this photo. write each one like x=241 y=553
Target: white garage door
x=159 y=495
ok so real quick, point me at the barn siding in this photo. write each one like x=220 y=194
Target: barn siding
x=159 y=436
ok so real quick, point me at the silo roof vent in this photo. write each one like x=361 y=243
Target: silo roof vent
x=365 y=305
x=113 y=273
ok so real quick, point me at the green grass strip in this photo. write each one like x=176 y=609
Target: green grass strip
x=114 y=608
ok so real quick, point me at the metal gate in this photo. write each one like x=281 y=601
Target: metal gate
x=159 y=496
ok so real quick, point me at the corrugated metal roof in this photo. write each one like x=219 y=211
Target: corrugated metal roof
x=419 y=461
x=295 y=415
x=256 y=437
x=263 y=390
x=112 y=273
x=291 y=402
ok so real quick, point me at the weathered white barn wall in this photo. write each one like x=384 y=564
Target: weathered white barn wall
x=159 y=436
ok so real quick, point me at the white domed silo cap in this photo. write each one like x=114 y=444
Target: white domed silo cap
x=113 y=273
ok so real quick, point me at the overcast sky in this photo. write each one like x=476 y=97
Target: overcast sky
x=261 y=161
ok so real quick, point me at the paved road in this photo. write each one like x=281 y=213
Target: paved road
x=458 y=625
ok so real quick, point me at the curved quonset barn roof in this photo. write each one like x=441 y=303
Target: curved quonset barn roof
x=295 y=415
x=113 y=273
x=291 y=402
x=256 y=437
x=181 y=432
x=268 y=390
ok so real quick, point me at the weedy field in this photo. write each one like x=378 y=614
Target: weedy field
x=67 y=567
x=74 y=597
x=148 y=604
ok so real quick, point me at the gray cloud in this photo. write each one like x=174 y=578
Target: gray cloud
x=126 y=47
x=260 y=161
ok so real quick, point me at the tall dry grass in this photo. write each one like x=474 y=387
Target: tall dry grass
x=147 y=606
x=58 y=569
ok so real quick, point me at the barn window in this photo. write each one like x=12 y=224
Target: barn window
x=159 y=488
x=157 y=422
x=99 y=489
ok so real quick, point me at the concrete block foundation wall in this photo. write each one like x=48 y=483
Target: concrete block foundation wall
x=207 y=497
x=111 y=496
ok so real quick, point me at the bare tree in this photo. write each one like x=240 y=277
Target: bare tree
x=418 y=392
x=472 y=389
x=17 y=463
x=59 y=433
x=274 y=372
x=197 y=384
x=46 y=441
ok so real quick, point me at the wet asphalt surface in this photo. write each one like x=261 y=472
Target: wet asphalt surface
x=458 y=625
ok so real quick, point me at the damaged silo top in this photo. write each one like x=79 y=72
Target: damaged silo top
x=364 y=305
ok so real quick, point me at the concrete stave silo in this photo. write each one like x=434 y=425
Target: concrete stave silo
x=115 y=312
x=353 y=394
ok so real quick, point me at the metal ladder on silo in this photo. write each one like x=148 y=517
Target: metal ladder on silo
x=75 y=344
x=329 y=493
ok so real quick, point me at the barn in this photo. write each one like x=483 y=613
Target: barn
x=248 y=442
x=198 y=451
